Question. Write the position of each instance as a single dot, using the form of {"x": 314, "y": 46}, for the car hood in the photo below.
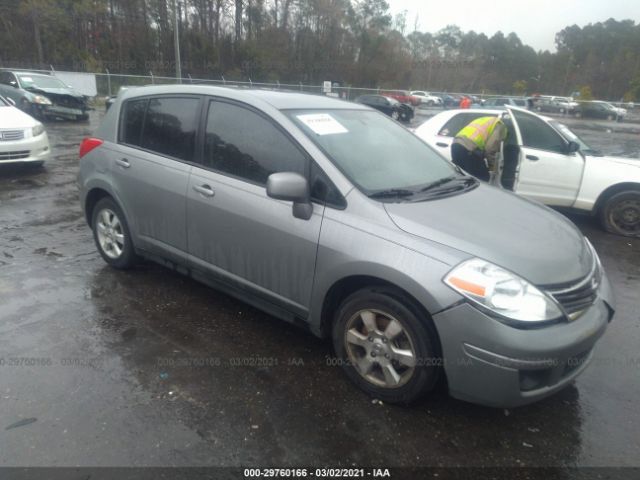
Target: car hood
{"x": 56, "y": 91}
{"x": 632, "y": 162}
{"x": 520, "y": 235}
{"x": 14, "y": 118}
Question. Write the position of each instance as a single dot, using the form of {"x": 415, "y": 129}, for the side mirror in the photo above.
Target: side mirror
{"x": 13, "y": 83}
{"x": 291, "y": 187}
{"x": 573, "y": 147}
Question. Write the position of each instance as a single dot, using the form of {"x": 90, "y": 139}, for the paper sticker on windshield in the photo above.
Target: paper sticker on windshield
{"x": 322, "y": 124}
{"x": 26, "y": 79}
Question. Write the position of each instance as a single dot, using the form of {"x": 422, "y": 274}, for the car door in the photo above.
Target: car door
{"x": 546, "y": 171}
{"x": 237, "y": 235}
{"x": 151, "y": 167}
{"x": 9, "y": 89}
{"x": 384, "y": 105}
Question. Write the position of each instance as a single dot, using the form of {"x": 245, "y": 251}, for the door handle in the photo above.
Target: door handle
{"x": 443, "y": 145}
{"x": 533, "y": 158}
{"x": 205, "y": 190}
{"x": 123, "y": 162}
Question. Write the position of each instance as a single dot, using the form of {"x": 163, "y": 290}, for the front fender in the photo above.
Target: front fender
{"x": 346, "y": 251}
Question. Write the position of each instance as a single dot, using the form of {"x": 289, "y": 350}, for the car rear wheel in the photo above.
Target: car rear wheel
{"x": 621, "y": 214}
{"x": 111, "y": 234}
{"x": 386, "y": 347}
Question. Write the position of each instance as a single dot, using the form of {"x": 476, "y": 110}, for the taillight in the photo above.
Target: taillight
{"x": 89, "y": 144}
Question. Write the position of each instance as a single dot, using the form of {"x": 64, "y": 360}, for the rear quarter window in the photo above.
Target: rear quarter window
{"x": 132, "y": 120}
{"x": 458, "y": 122}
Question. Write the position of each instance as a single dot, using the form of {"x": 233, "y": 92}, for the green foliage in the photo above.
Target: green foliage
{"x": 633, "y": 94}
{"x": 353, "y": 41}
{"x": 519, "y": 87}
{"x": 585, "y": 93}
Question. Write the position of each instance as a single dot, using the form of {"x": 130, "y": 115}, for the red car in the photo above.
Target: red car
{"x": 402, "y": 96}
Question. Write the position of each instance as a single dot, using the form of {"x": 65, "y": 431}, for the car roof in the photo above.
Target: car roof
{"x": 31, "y": 74}
{"x": 443, "y": 117}
{"x": 281, "y": 100}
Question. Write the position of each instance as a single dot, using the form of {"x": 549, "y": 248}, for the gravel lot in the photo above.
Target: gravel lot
{"x": 106, "y": 368}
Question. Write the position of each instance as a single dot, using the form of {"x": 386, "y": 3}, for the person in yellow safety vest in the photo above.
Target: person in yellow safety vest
{"x": 479, "y": 140}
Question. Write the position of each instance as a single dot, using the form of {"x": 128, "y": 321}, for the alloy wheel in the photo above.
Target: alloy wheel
{"x": 380, "y": 348}
{"x": 110, "y": 233}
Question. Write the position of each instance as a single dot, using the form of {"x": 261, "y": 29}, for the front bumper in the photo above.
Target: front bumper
{"x": 28, "y": 150}
{"x": 62, "y": 112}
{"x": 493, "y": 364}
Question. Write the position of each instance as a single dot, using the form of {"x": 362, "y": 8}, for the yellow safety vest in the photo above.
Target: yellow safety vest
{"x": 479, "y": 130}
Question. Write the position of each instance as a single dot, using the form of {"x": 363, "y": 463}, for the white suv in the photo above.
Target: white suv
{"x": 426, "y": 98}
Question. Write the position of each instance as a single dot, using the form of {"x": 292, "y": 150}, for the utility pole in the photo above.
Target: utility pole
{"x": 176, "y": 41}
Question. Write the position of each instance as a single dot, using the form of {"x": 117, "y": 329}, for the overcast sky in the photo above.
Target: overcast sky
{"x": 535, "y": 21}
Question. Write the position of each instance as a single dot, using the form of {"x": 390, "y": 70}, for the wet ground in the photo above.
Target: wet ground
{"x": 145, "y": 367}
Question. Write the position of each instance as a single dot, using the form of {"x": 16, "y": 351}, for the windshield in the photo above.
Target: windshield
{"x": 570, "y": 136}
{"x": 374, "y": 152}
{"x": 40, "y": 81}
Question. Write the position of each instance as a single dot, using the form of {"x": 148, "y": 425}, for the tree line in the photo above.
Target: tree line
{"x": 356, "y": 42}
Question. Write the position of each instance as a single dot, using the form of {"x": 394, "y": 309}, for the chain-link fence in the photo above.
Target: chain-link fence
{"x": 108, "y": 84}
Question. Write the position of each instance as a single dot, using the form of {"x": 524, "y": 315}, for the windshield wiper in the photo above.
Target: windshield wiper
{"x": 467, "y": 180}
{"x": 393, "y": 193}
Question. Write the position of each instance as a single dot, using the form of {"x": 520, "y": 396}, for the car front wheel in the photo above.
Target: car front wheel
{"x": 621, "y": 214}
{"x": 111, "y": 234}
{"x": 386, "y": 347}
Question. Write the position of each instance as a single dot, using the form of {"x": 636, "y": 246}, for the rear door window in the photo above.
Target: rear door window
{"x": 458, "y": 122}
{"x": 170, "y": 126}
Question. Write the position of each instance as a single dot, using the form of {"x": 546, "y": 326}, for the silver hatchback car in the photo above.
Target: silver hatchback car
{"x": 332, "y": 216}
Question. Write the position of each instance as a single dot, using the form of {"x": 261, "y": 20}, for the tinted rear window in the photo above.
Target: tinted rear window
{"x": 133, "y": 116}
{"x": 170, "y": 127}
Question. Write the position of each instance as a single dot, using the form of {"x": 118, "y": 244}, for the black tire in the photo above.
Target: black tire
{"x": 620, "y": 214}
{"x": 420, "y": 334}
{"x": 127, "y": 257}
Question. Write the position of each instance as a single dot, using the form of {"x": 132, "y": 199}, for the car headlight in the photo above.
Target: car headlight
{"x": 502, "y": 293}
{"x": 37, "y": 130}
{"x": 40, "y": 100}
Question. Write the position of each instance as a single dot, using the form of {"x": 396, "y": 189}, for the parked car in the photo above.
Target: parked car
{"x": 402, "y": 96}
{"x": 388, "y": 106}
{"x": 501, "y": 102}
{"x": 451, "y": 101}
{"x": 328, "y": 215}
{"x": 556, "y": 105}
{"x": 546, "y": 161}
{"x": 426, "y": 98}
{"x": 22, "y": 138}
{"x": 43, "y": 96}
{"x": 603, "y": 110}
